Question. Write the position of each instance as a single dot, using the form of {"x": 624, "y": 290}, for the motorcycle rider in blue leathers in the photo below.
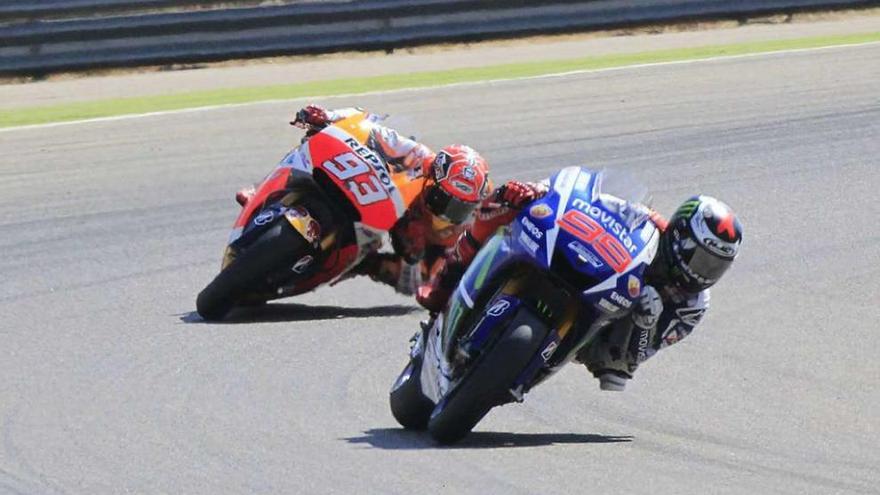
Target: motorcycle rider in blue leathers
{"x": 697, "y": 246}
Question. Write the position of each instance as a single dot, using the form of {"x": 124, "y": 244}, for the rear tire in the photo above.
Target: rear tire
{"x": 488, "y": 381}
{"x": 279, "y": 245}
{"x": 409, "y": 405}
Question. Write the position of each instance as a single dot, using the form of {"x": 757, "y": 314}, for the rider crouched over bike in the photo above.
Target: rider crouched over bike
{"x": 458, "y": 180}
{"x": 697, "y": 246}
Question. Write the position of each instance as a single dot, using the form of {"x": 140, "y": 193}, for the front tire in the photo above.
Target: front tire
{"x": 278, "y": 246}
{"x": 488, "y": 381}
{"x": 409, "y": 405}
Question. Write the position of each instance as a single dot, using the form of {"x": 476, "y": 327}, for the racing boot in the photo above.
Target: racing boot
{"x": 607, "y": 358}
{"x": 390, "y": 269}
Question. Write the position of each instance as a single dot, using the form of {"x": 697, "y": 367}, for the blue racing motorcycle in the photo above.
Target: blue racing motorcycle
{"x": 539, "y": 291}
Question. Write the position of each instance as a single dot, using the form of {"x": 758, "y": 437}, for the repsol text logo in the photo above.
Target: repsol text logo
{"x": 373, "y": 160}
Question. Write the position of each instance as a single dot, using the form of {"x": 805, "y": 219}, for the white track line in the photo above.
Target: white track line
{"x": 451, "y": 85}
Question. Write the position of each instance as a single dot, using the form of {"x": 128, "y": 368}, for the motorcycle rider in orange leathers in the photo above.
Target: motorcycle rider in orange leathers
{"x": 458, "y": 180}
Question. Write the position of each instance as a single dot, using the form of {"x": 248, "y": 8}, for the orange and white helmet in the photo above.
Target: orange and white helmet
{"x": 460, "y": 182}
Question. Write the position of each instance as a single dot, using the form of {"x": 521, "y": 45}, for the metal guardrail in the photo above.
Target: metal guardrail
{"x": 30, "y": 10}
{"x": 37, "y": 48}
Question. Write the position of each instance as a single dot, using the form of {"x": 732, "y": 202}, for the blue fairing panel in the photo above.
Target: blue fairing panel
{"x": 595, "y": 244}
{"x": 542, "y": 230}
{"x": 496, "y": 253}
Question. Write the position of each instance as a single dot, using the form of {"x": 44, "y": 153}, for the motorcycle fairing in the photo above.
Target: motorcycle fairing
{"x": 371, "y": 222}
{"x": 539, "y": 232}
{"x": 329, "y": 271}
{"x": 298, "y": 159}
{"x": 541, "y": 236}
{"x": 381, "y": 197}
{"x": 436, "y": 373}
{"x": 274, "y": 182}
{"x": 361, "y": 173}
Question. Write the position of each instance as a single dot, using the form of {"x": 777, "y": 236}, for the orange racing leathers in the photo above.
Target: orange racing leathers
{"x": 418, "y": 239}
{"x": 497, "y": 210}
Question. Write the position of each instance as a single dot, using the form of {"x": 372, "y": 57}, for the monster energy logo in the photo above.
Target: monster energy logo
{"x": 688, "y": 208}
{"x": 544, "y": 308}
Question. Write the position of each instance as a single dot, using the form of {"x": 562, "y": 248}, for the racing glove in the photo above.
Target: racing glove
{"x": 516, "y": 194}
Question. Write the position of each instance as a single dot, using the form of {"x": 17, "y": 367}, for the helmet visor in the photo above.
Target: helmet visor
{"x": 447, "y": 207}
{"x": 704, "y": 266}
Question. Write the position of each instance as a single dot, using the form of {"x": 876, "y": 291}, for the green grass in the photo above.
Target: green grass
{"x": 145, "y": 104}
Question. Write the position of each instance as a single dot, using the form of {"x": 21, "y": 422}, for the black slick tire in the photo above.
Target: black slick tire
{"x": 409, "y": 405}
{"x": 488, "y": 381}
{"x": 278, "y": 246}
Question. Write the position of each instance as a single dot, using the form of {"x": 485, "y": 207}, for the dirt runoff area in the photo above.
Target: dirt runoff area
{"x": 68, "y": 88}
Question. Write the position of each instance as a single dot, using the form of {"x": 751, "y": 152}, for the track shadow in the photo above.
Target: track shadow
{"x": 400, "y": 439}
{"x": 302, "y": 312}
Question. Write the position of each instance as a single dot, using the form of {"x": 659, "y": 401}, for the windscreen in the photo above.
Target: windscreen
{"x": 623, "y": 193}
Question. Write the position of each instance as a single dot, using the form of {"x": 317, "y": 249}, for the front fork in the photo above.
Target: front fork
{"x": 445, "y": 359}
{"x": 436, "y": 373}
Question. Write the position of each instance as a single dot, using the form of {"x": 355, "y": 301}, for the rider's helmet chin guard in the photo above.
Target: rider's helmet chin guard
{"x": 459, "y": 182}
{"x": 701, "y": 242}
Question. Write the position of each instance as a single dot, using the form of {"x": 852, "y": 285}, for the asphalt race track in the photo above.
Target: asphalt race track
{"x": 108, "y": 230}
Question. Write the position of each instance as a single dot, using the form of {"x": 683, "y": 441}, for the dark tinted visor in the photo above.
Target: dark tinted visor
{"x": 448, "y": 207}
{"x": 705, "y": 265}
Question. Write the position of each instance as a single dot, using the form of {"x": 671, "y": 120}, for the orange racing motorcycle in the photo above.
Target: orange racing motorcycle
{"x": 326, "y": 205}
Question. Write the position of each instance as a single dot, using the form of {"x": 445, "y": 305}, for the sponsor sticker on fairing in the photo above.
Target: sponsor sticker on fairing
{"x": 540, "y": 211}
{"x": 585, "y": 255}
{"x": 313, "y": 231}
{"x": 608, "y": 222}
{"x": 626, "y": 303}
{"x": 296, "y": 212}
{"x": 549, "y": 350}
{"x": 498, "y": 308}
{"x": 531, "y": 228}
{"x": 264, "y": 217}
{"x": 528, "y": 242}
{"x": 303, "y": 263}
{"x": 633, "y": 286}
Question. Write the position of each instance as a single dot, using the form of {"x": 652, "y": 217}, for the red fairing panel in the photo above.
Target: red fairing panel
{"x": 360, "y": 174}
{"x": 275, "y": 181}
